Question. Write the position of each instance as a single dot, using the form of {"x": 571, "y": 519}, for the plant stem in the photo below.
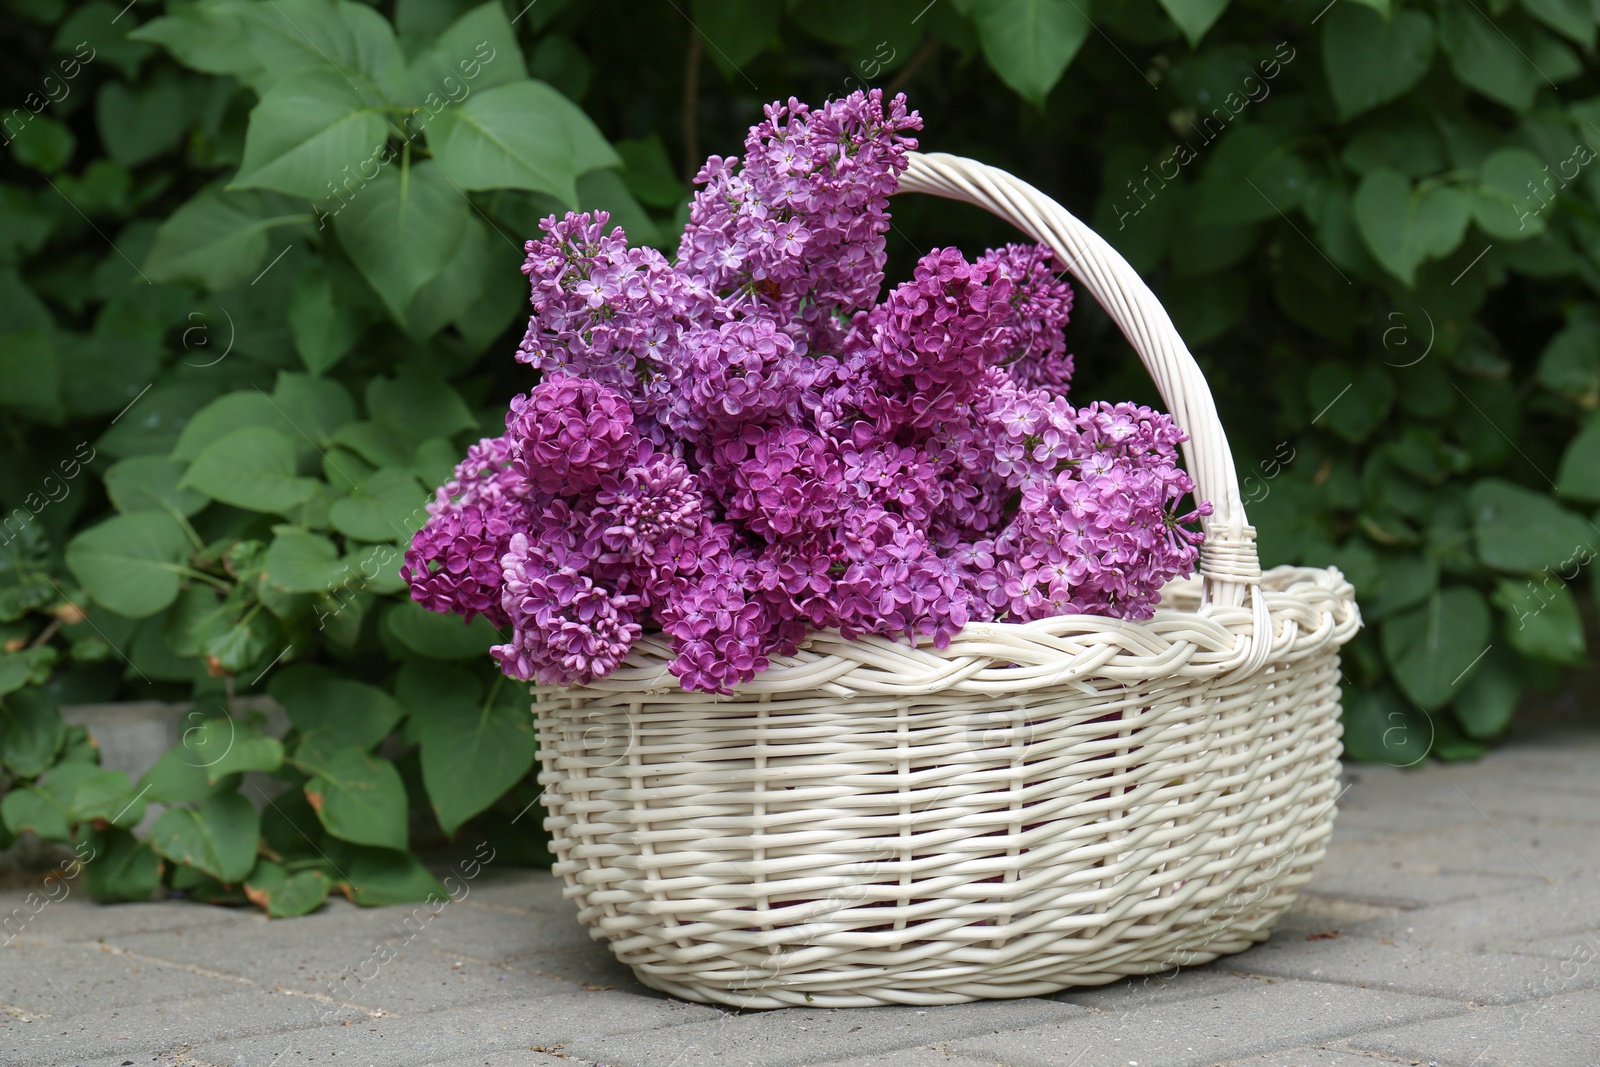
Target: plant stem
{"x": 691, "y": 106}
{"x": 914, "y": 64}
{"x": 46, "y": 634}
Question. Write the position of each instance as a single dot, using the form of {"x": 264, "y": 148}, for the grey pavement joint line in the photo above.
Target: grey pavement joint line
{"x": 1502, "y": 833}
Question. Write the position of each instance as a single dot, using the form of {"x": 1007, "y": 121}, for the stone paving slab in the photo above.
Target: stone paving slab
{"x": 927, "y": 1056}
{"x": 1432, "y": 934}
{"x": 151, "y": 1031}
{"x": 1516, "y": 921}
{"x": 41, "y": 978}
{"x": 1312, "y": 1057}
{"x": 1559, "y": 1032}
{"x": 1370, "y": 963}
{"x": 1375, "y": 877}
{"x": 803, "y": 1036}
{"x": 1205, "y": 1031}
{"x": 549, "y": 1023}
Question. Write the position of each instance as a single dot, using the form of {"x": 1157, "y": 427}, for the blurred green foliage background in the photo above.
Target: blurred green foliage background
{"x": 259, "y": 289}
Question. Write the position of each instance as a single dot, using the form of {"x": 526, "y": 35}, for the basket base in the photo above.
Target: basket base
{"x": 944, "y": 983}
{"x": 977, "y": 989}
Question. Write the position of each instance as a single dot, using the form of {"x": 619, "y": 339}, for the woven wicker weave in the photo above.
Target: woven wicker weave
{"x": 1037, "y": 806}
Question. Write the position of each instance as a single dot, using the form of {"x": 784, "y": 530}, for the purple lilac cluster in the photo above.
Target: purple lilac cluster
{"x": 744, "y": 444}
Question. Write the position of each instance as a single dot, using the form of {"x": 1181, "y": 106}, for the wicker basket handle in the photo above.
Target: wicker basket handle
{"x": 1228, "y": 560}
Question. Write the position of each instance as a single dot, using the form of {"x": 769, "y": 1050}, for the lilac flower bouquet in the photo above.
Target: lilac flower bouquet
{"x": 743, "y": 444}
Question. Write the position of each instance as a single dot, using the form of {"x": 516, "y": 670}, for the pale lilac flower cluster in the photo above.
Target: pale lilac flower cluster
{"x": 743, "y": 445}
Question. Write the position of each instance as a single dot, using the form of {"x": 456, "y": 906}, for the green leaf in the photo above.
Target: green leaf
{"x": 194, "y": 884}
{"x": 1351, "y": 401}
{"x": 225, "y": 415}
{"x": 1410, "y": 578}
{"x": 121, "y": 869}
{"x": 1488, "y": 57}
{"x": 178, "y": 777}
{"x": 200, "y": 613}
{"x": 218, "y": 239}
{"x": 373, "y": 442}
{"x": 735, "y": 31}
{"x": 299, "y": 562}
{"x": 402, "y": 229}
{"x": 138, "y": 124}
{"x": 281, "y": 895}
{"x": 30, "y": 666}
{"x": 381, "y": 876}
{"x": 1502, "y": 204}
{"x": 310, "y": 132}
{"x": 1432, "y": 648}
{"x": 1408, "y": 143}
{"x": 478, "y": 51}
{"x": 1572, "y": 18}
{"x": 605, "y": 190}
{"x": 422, "y": 684}
{"x": 389, "y": 506}
{"x": 129, "y": 563}
{"x": 1542, "y": 620}
{"x": 414, "y": 405}
{"x": 648, "y": 172}
{"x": 1029, "y": 43}
{"x": 435, "y": 461}
{"x": 1404, "y": 226}
{"x": 375, "y": 568}
{"x": 473, "y": 752}
{"x": 524, "y": 135}
{"x": 1570, "y": 363}
{"x": 324, "y": 329}
{"x": 218, "y": 837}
{"x": 97, "y": 794}
{"x": 332, "y": 713}
{"x": 313, "y": 407}
{"x": 1579, "y": 477}
{"x": 208, "y": 36}
{"x": 150, "y": 483}
{"x": 288, "y": 37}
{"x": 1369, "y": 59}
{"x": 1253, "y": 175}
{"x": 31, "y": 731}
{"x": 454, "y": 290}
{"x": 95, "y": 32}
{"x": 558, "y": 61}
{"x": 251, "y": 468}
{"x": 1194, "y": 17}
{"x": 1520, "y": 530}
{"x": 439, "y": 636}
{"x": 241, "y": 646}
{"x": 43, "y": 144}
{"x": 39, "y": 810}
{"x": 225, "y": 747}
{"x": 30, "y": 366}
{"x": 1380, "y": 727}
{"x": 359, "y": 798}
{"x": 154, "y": 426}
{"x": 1485, "y": 705}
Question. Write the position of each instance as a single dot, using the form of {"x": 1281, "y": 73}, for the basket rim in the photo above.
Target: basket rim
{"x": 1309, "y": 609}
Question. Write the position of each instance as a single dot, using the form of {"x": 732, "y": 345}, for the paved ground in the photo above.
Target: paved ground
{"x": 1456, "y": 923}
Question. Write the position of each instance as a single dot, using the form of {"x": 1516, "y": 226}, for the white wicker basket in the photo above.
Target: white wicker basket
{"x": 1040, "y": 805}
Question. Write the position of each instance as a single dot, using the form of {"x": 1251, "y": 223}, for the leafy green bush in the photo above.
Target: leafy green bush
{"x": 259, "y": 289}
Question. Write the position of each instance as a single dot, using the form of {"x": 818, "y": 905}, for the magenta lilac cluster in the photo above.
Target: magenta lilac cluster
{"x": 742, "y": 444}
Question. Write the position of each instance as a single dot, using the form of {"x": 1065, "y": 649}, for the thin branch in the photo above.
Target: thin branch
{"x": 691, "y": 107}
{"x": 909, "y": 71}
{"x": 46, "y": 634}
